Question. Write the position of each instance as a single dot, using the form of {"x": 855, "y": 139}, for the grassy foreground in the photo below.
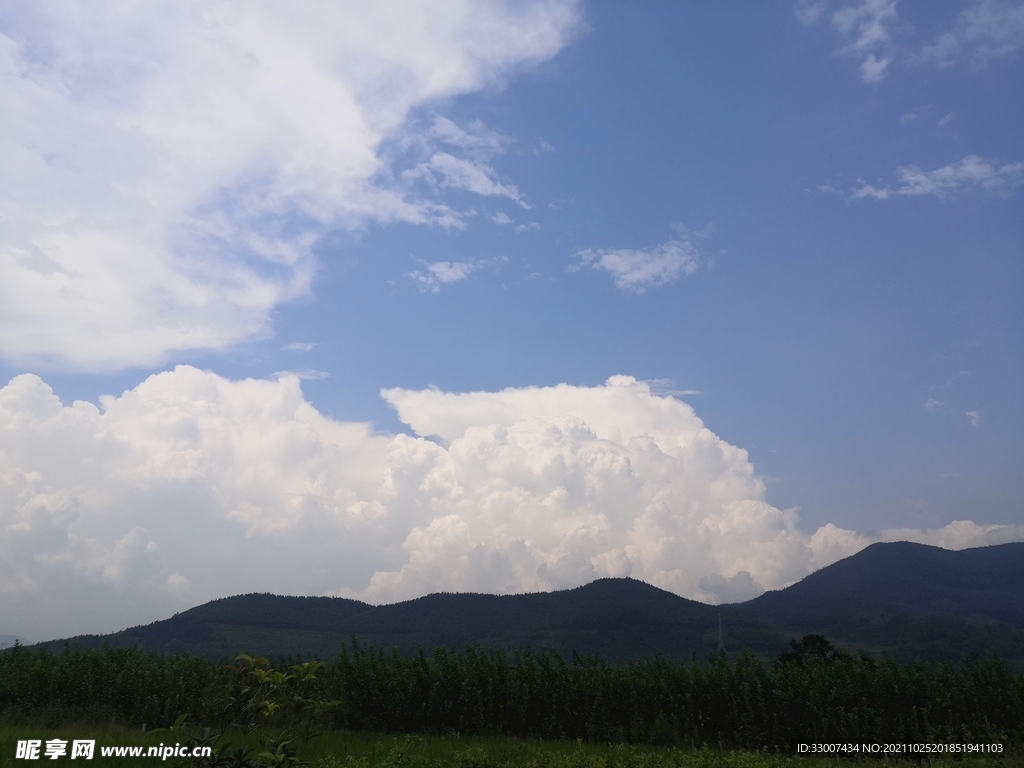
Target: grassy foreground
{"x": 346, "y": 749}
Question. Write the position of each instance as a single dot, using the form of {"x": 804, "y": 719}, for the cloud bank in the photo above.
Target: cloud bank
{"x": 169, "y": 167}
{"x": 191, "y": 486}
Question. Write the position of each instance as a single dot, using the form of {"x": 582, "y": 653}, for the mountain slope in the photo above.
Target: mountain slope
{"x": 909, "y": 599}
{"x": 900, "y": 598}
{"x": 619, "y": 618}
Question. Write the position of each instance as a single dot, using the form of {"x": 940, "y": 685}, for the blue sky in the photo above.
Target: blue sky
{"x": 801, "y": 220}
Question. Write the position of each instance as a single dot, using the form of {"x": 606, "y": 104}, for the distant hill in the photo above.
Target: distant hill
{"x": 909, "y": 600}
{"x": 903, "y": 599}
{"x": 619, "y": 618}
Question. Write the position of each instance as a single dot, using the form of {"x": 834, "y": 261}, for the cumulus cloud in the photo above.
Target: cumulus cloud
{"x": 970, "y": 173}
{"x": 168, "y": 167}
{"x": 191, "y": 486}
{"x": 637, "y": 270}
{"x": 985, "y": 31}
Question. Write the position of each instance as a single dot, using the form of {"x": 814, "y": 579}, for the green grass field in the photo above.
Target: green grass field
{"x": 343, "y": 749}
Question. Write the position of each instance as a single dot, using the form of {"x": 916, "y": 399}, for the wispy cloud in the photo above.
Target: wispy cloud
{"x": 299, "y": 346}
{"x": 637, "y": 270}
{"x": 933, "y": 405}
{"x": 464, "y": 164}
{"x": 974, "y": 417}
{"x": 868, "y": 28}
{"x": 501, "y": 218}
{"x": 304, "y": 374}
{"x": 985, "y": 31}
{"x": 970, "y": 173}
{"x": 668, "y": 387}
{"x": 528, "y": 226}
{"x": 436, "y": 274}
{"x": 167, "y": 173}
{"x": 476, "y": 138}
{"x": 447, "y": 171}
{"x": 809, "y": 12}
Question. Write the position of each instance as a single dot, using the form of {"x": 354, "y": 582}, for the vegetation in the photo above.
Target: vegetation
{"x": 812, "y": 693}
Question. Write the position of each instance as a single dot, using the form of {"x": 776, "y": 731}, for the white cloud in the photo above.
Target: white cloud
{"x": 985, "y": 31}
{"x": 868, "y": 27}
{"x": 501, "y": 218}
{"x": 738, "y": 589}
{"x": 868, "y": 190}
{"x": 945, "y": 120}
{"x": 971, "y": 172}
{"x": 809, "y": 12}
{"x": 190, "y": 487}
{"x": 443, "y": 273}
{"x": 637, "y": 270}
{"x": 477, "y": 138}
{"x": 974, "y": 417}
{"x": 933, "y": 405}
{"x": 299, "y": 346}
{"x": 167, "y": 167}
{"x": 527, "y": 227}
{"x": 305, "y": 374}
{"x": 668, "y": 387}
{"x": 872, "y": 70}
{"x": 449, "y": 172}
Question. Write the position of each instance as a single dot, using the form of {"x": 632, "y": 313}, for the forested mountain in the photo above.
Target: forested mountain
{"x": 909, "y": 599}
{"x": 619, "y": 618}
{"x": 904, "y": 599}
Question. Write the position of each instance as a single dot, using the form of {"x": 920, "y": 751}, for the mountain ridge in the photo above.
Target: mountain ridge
{"x": 899, "y": 598}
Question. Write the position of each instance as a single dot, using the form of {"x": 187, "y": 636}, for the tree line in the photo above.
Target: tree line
{"x": 812, "y": 693}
